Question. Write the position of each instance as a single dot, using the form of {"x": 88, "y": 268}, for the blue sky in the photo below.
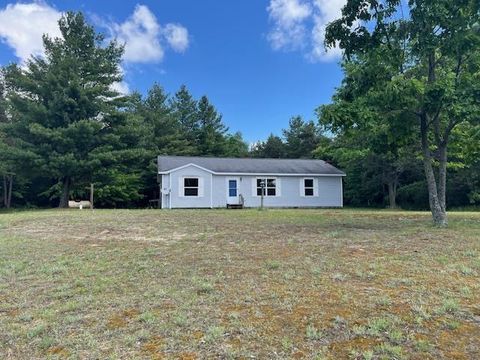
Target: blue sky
{"x": 260, "y": 62}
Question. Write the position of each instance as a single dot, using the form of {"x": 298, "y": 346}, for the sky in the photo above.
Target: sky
{"x": 260, "y": 62}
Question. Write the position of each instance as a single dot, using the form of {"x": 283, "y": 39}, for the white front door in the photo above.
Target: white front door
{"x": 233, "y": 196}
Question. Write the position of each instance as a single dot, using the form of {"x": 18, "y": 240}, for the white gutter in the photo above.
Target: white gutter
{"x": 254, "y": 174}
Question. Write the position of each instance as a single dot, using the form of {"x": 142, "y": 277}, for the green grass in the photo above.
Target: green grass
{"x": 190, "y": 284}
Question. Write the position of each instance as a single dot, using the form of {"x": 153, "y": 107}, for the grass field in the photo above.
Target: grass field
{"x": 276, "y": 284}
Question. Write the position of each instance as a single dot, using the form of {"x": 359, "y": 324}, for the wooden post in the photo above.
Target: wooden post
{"x": 262, "y": 186}
{"x": 91, "y": 196}
{"x": 10, "y": 188}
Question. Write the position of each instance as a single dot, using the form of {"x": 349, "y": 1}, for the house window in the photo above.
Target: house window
{"x": 308, "y": 187}
{"x": 270, "y": 186}
{"x": 190, "y": 186}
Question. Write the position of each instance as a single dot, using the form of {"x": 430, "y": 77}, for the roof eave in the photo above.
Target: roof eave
{"x": 251, "y": 173}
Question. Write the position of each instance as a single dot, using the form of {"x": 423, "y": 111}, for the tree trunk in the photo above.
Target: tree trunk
{"x": 438, "y": 212}
{"x": 442, "y": 177}
{"x": 7, "y": 190}
{"x": 66, "y": 182}
{"x": 392, "y": 194}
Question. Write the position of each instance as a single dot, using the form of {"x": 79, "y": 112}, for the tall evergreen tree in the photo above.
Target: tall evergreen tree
{"x": 162, "y": 134}
{"x": 5, "y": 167}
{"x": 235, "y": 146}
{"x": 184, "y": 108}
{"x": 168, "y": 135}
{"x": 3, "y": 102}
{"x": 301, "y": 138}
{"x": 63, "y": 104}
{"x": 273, "y": 147}
{"x": 212, "y": 130}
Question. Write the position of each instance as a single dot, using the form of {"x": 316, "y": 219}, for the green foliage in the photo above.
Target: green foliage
{"x": 300, "y": 140}
{"x": 412, "y": 78}
{"x": 235, "y": 146}
{"x": 62, "y": 126}
{"x": 62, "y": 106}
{"x": 273, "y": 147}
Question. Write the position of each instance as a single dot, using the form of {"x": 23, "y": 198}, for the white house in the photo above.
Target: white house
{"x": 209, "y": 182}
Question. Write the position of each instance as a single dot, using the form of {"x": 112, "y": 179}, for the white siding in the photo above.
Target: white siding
{"x": 213, "y": 190}
{"x": 328, "y": 192}
{"x": 176, "y": 198}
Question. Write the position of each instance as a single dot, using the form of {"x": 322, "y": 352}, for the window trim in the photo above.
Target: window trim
{"x": 266, "y": 178}
{"x": 303, "y": 188}
{"x": 190, "y": 187}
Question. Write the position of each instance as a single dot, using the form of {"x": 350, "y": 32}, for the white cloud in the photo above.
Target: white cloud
{"x": 288, "y": 18}
{"x": 301, "y": 25}
{"x": 22, "y": 27}
{"x": 23, "y": 24}
{"x": 177, "y": 36}
{"x": 141, "y": 35}
{"x": 145, "y": 38}
{"x": 327, "y": 11}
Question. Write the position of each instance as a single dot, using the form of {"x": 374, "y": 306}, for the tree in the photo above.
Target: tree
{"x": 235, "y": 146}
{"x": 465, "y": 153}
{"x": 273, "y": 147}
{"x": 3, "y": 103}
{"x": 212, "y": 131}
{"x": 63, "y": 105}
{"x": 301, "y": 138}
{"x": 184, "y": 108}
{"x": 163, "y": 134}
{"x": 360, "y": 114}
{"x": 434, "y": 54}
{"x": 7, "y": 176}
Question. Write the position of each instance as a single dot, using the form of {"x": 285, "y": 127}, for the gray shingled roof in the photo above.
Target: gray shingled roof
{"x": 248, "y": 165}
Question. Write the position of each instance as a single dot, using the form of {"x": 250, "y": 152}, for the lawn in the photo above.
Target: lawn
{"x": 277, "y": 284}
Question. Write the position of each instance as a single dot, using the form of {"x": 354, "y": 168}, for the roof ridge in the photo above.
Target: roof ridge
{"x": 237, "y": 158}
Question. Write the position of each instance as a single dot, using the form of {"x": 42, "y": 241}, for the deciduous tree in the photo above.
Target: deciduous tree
{"x": 434, "y": 53}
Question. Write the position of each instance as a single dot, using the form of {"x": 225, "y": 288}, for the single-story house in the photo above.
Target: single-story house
{"x": 212, "y": 182}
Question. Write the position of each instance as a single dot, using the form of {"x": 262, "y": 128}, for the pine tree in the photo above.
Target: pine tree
{"x": 235, "y": 146}
{"x": 273, "y": 147}
{"x": 168, "y": 135}
{"x": 184, "y": 108}
{"x": 301, "y": 138}
{"x": 211, "y": 133}
{"x": 63, "y": 104}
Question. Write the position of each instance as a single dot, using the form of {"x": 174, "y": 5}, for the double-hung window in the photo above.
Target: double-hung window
{"x": 267, "y": 185}
{"x": 308, "y": 187}
{"x": 190, "y": 186}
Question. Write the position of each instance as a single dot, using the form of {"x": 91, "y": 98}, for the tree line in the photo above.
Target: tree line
{"x": 64, "y": 127}
{"x": 410, "y": 93}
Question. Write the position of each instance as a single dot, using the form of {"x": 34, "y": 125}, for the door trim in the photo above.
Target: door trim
{"x": 229, "y": 198}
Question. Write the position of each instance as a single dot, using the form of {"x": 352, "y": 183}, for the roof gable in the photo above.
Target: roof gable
{"x": 217, "y": 165}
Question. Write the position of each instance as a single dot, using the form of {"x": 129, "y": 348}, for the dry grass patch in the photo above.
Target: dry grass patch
{"x": 196, "y": 284}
